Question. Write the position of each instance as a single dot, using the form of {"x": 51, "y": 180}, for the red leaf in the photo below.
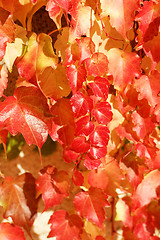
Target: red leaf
{"x": 80, "y": 22}
{"x": 99, "y": 238}
{"x": 17, "y": 196}
{"x": 148, "y": 87}
{"x": 100, "y": 136}
{"x": 80, "y": 145}
{"x": 84, "y": 126}
{"x": 124, "y": 67}
{"x": 97, "y": 65}
{"x": 76, "y": 76}
{"x": 147, "y": 16}
{"x": 78, "y": 178}
{"x": 3, "y": 79}
{"x": 64, "y": 117}
{"x": 152, "y": 49}
{"x": 122, "y": 13}
{"x": 26, "y": 113}
{"x": 7, "y": 30}
{"x": 91, "y": 205}
{"x": 147, "y": 188}
{"x": 100, "y": 87}
{"x": 98, "y": 178}
{"x": 110, "y": 175}
{"x": 27, "y": 65}
{"x": 9, "y": 232}
{"x": 90, "y": 162}
{"x": 143, "y": 126}
{"x": 53, "y": 185}
{"x": 102, "y": 113}
{"x": 98, "y": 152}
{"x": 80, "y": 105}
{"x": 39, "y": 55}
{"x": 70, "y": 156}
{"x": 86, "y": 48}
{"x": 64, "y": 226}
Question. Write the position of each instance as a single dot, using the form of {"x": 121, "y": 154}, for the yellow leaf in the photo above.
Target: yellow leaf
{"x": 54, "y": 82}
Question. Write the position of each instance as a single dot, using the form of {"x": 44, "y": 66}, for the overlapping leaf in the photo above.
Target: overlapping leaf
{"x": 56, "y": 9}
{"x": 80, "y": 104}
{"x": 148, "y": 188}
{"x": 7, "y": 29}
{"x": 102, "y": 113}
{"x": 148, "y": 17}
{"x": 148, "y": 87}
{"x": 54, "y": 82}
{"x": 39, "y": 55}
{"x": 64, "y": 117}
{"x": 124, "y": 67}
{"x": 100, "y": 136}
{"x": 53, "y": 185}
{"x": 26, "y": 112}
{"x": 91, "y": 205}
{"x": 65, "y": 226}
{"x": 10, "y": 232}
{"x": 76, "y": 77}
{"x": 121, "y": 12}
{"x": 84, "y": 126}
{"x": 17, "y": 196}
{"x": 100, "y": 87}
{"x": 3, "y": 79}
{"x": 110, "y": 174}
{"x": 97, "y": 65}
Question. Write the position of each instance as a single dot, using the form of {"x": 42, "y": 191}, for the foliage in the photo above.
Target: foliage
{"x": 94, "y": 88}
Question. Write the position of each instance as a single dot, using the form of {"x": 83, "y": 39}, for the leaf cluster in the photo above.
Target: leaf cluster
{"x": 94, "y": 88}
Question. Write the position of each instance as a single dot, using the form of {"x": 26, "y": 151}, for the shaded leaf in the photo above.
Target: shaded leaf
{"x": 7, "y": 29}
{"x": 54, "y": 82}
{"x": 78, "y": 178}
{"x": 53, "y": 185}
{"x": 39, "y": 55}
{"x": 64, "y": 117}
{"x": 3, "y": 79}
{"x": 17, "y": 196}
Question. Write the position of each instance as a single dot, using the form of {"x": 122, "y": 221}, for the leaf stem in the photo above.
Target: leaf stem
{"x": 104, "y": 27}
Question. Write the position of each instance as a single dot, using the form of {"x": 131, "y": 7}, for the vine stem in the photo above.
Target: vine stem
{"x": 112, "y": 217}
{"x": 103, "y": 25}
{"x": 4, "y": 96}
{"x": 56, "y": 30}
